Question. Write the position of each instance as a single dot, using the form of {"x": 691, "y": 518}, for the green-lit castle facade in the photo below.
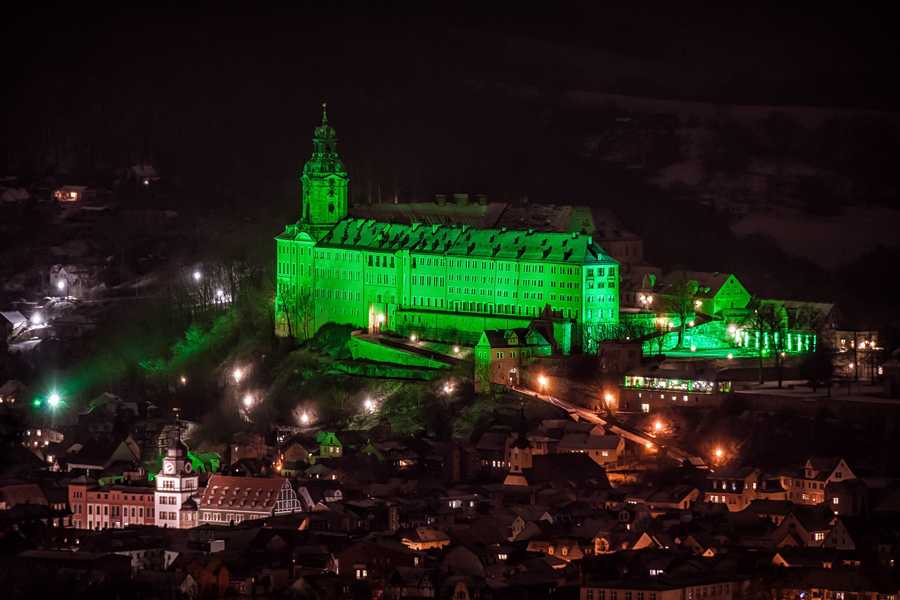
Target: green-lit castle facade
{"x": 442, "y": 281}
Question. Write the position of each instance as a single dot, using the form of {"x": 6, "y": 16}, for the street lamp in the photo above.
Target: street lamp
{"x": 61, "y": 285}
{"x": 37, "y": 318}
{"x": 248, "y": 400}
{"x": 197, "y": 275}
{"x": 368, "y": 404}
{"x": 183, "y": 380}
{"x": 237, "y": 374}
{"x": 304, "y": 418}
{"x": 542, "y": 382}
{"x": 718, "y": 453}
{"x": 53, "y": 400}
{"x": 448, "y": 388}
{"x": 657, "y": 426}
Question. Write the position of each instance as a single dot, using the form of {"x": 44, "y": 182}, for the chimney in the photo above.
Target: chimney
{"x": 482, "y": 199}
{"x": 440, "y": 199}
{"x": 461, "y": 199}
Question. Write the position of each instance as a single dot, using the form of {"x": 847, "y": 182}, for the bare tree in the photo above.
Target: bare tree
{"x": 678, "y": 299}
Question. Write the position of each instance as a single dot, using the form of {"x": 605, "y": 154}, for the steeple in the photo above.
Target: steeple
{"x": 324, "y": 181}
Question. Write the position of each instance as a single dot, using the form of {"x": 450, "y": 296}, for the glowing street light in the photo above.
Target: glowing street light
{"x": 730, "y": 356}
{"x": 53, "y": 400}
{"x": 732, "y": 329}
{"x": 455, "y": 349}
{"x": 197, "y": 275}
{"x": 543, "y": 382}
{"x": 237, "y": 374}
{"x": 61, "y": 285}
{"x": 37, "y": 318}
{"x": 220, "y": 294}
{"x": 448, "y": 388}
{"x": 413, "y": 338}
{"x": 693, "y": 348}
{"x": 697, "y": 303}
{"x": 657, "y": 426}
{"x": 368, "y": 404}
{"x": 248, "y": 400}
{"x": 718, "y": 453}
{"x": 304, "y": 418}
{"x": 183, "y": 380}
{"x": 691, "y": 323}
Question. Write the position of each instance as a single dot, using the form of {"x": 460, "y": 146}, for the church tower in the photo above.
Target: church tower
{"x": 324, "y": 183}
{"x": 175, "y": 486}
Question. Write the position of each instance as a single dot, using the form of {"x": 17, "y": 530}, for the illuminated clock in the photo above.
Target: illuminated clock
{"x": 188, "y": 467}
{"x": 169, "y": 468}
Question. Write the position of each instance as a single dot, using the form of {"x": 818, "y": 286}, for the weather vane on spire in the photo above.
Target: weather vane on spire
{"x": 324, "y": 113}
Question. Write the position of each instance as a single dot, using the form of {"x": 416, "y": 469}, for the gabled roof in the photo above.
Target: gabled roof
{"x": 572, "y": 468}
{"x": 251, "y": 494}
{"x": 462, "y": 241}
{"x": 586, "y": 441}
{"x": 710, "y": 282}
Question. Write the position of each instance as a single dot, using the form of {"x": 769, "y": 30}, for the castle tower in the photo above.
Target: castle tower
{"x": 324, "y": 183}
{"x": 176, "y": 483}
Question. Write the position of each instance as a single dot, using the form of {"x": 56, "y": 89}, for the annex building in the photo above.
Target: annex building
{"x": 443, "y": 271}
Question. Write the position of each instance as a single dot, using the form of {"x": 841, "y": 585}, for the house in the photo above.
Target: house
{"x": 95, "y": 455}
{"x": 71, "y": 193}
{"x": 96, "y": 506}
{"x": 834, "y": 583}
{"x": 804, "y": 526}
{"x": 737, "y": 488}
{"x": 12, "y": 323}
{"x": 808, "y": 485}
{"x": 227, "y": 500}
{"x": 671, "y": 497}
{"x": 500, "y": 355}
{"x": 654, "y": 574}
{"x": 375, "y": 560}
{"x": 620, "y": 356}
{"x": 15, "y": 493}
{"x": 848, "y": 497}
{"x": 408, "y": 582}
{"x": 602, "y": 449}
{"x": 425, "y": 538}
{"x": 658, "y": 387}
{"x": 329, "y": 445}
{"x": 714, "y": 293}
{"x": 571, "y": 469}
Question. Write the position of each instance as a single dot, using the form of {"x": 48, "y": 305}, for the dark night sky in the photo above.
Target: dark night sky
{"x": 423, "y": 104}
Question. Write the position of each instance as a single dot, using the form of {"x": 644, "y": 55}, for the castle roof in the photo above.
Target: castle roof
{"x": 463, "y": 241}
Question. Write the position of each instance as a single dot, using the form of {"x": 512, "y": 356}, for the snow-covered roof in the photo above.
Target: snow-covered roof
{"x": 14, "y": 317}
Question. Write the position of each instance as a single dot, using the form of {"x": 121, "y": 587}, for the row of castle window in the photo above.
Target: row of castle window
{"x": 381, "y": 261}
{"x": 427, "y": 280}
{"x": 611, "y": 284}
{"x": 428, "y": 302}
{"x": 346, "y": 295}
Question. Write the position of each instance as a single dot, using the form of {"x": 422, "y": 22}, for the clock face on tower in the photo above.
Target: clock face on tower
{"x": 169, "y": 468}
{"x": 188, "y": 467}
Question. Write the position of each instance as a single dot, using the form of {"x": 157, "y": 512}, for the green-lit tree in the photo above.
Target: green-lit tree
{"x": 763, "y": 319}
{"x": 678, "y": 300}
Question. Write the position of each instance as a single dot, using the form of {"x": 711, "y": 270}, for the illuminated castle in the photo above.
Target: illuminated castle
{"x": 441, "y": 279}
